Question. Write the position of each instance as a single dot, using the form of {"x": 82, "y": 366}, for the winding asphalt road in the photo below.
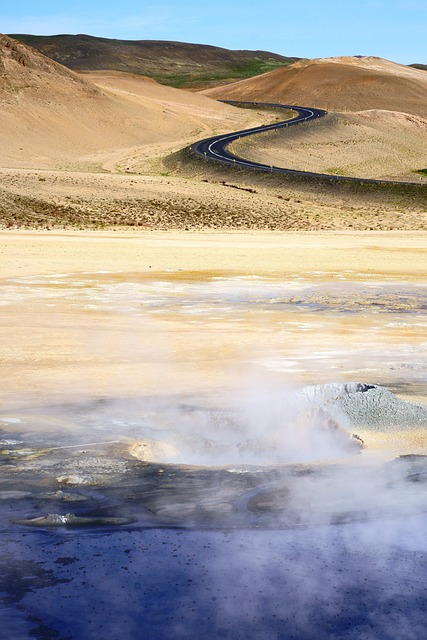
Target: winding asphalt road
{"x": 216, "y": 148}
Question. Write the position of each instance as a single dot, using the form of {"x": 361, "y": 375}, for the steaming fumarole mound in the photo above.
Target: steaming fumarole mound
{"x": 262, "y": 430}
{"x": 314, "y": 424}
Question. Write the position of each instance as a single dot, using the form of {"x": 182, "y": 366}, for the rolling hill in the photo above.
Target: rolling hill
{"x": 172, "y": 63}
{"x": 53, "y": 117}
{"x": 337, "y": 84}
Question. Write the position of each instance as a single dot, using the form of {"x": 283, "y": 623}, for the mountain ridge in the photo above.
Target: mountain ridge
{"x": 177, "y": 64}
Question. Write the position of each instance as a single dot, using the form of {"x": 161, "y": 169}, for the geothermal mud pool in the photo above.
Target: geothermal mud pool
{"x": 235, "y": 456}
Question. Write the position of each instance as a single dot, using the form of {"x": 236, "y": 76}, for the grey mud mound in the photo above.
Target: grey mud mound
{"x": 366, "y": 405}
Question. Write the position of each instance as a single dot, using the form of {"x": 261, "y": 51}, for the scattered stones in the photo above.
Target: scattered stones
{"x": 75, "y": 480}
{"x": 69, "y": 519}
{"x": 63, "y": 496}
{"x": 14, "y": 495}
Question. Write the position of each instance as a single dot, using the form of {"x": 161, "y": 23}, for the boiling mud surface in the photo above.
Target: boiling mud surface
{"x": 201, "y": 542}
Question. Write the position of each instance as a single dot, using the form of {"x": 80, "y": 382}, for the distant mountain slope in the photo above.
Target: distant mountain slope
{"x": 174, "y": 63}
{"x": 337, "y": 84}
{"x": 419, "y": 66}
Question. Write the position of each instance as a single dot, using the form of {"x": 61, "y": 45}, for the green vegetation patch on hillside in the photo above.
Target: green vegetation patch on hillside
{"x": 249, "y": 69}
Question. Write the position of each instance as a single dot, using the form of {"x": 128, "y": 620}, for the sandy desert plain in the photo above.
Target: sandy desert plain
{"x": 192, "y": 357}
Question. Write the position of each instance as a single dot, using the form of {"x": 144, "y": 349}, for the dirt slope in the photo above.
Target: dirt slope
{"x": 337, "y": 84}
{"x": 52, "y": 117}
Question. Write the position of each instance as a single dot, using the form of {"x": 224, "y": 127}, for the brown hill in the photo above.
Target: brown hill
{"x": 52, "y": 117}
{"x": 337, "y": 84}
{"x": 176, "y": 64}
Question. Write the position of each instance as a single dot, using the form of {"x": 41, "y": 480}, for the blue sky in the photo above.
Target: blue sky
{"x": 393, "y": 29}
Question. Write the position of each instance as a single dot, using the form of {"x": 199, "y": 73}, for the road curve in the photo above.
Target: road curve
{"x": 216, "y": 148}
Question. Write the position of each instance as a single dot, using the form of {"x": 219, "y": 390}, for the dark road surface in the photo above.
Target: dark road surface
{"x": 216, "y": 148}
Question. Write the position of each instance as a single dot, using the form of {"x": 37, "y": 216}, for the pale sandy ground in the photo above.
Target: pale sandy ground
{"x": 391, "y": 254}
